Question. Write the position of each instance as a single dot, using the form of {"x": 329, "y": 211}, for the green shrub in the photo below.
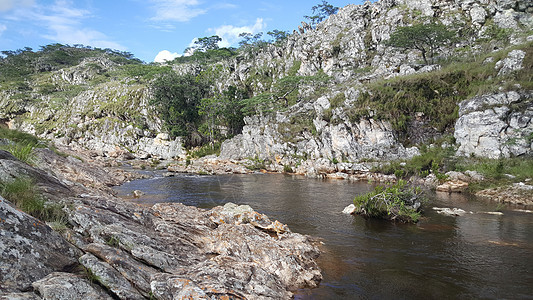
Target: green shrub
{"x": 257, "y": 164}
{"x": 394, "y": 202}
{"x": 206, "y": 150}
{"x": 288, "y": 169}
{"x": 23, "y": 152}
{"x": 436, "y": 159}
{"x": 521, "y": 168}
{"x": 24, "y": 195}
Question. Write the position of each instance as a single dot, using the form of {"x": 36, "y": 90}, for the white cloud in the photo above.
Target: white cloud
{"x": 64, "y": 23}
{"x": 176, "y": 10}
{"x": 165, "y": 55}
{"x": 2, "y": 28}
{"x": 6, "y": 5}
{"x": 230, "y": 33}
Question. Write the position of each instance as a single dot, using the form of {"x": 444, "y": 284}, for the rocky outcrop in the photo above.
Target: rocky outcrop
{"x": 519, "y": 193}
{"x": 496, "y": 125}
{"x": 60, "y": 285}
{"x": 165, "y": 251}
{"x": 29, "y": 250}
{"x": 112, "y": 115}
{"x": 288, "y": 140}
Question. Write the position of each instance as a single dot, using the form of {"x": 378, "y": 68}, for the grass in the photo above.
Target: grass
{"x": 497, "y": 171}
{"x": 20, "y": 137}
{"x": 20, "y": 144}
{"x": 393, "y": 202}
{"x": 206, "y": 150}
{"x": 437, "y": 159}
{"x": 287, "y": 169}
{"x": 437, "y": 93}
{"x": 23, "y": 152}
{"x": 23, "y": 193}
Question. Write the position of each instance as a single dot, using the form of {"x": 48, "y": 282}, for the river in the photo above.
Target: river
{"x": 477, "y": 255}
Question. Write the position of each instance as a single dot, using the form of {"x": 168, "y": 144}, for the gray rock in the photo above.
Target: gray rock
{"x": 478, "y": 15}
{"x": 512, "y": 62}
{"x": 488, "y": 126}
{"x": 29, "y": 250}
{"x": 110, "y": 278}
{"x": 66, "y": 286}
{"x": 19, "y": 296}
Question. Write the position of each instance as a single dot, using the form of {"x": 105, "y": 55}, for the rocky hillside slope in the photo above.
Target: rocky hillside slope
{"x": 378, "y": 102}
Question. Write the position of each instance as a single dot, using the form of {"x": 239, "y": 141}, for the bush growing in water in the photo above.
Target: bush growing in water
{"x": 395, "y": 202}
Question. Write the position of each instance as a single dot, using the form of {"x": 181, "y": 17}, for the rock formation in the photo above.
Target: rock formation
{"x": 112, "y": 115}
{"x": 128, "y": 251}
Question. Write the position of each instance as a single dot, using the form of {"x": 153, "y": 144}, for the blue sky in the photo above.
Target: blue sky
{"x": 144, "y": 27}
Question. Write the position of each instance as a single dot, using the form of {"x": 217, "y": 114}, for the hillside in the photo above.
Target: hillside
{"x": 339, "y": 92}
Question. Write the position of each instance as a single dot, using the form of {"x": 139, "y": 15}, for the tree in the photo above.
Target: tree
{"x": 205, "y": 43}
{"x": 223, "y": 110}
{"x": 251, "y": 40}
{"x": 278, "y": 35}
{"x": 177, "y": 98}
{"x": 427, "y": 38}
{"x": 321, "y": 12}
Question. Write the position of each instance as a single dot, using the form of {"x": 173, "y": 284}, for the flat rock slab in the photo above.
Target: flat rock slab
{"x": 60, "y": 285}
{"x": 29, "y": 250}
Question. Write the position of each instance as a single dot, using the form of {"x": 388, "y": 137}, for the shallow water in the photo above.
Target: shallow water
{"x": 473, "y": 256}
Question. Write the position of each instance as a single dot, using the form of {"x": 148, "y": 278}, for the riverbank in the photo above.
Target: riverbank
{"x": 500, "y": 187}
{"x": 104, "y": 247}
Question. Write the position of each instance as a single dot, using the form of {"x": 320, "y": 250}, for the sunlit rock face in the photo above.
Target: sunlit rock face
{"x": 496, "y": 125}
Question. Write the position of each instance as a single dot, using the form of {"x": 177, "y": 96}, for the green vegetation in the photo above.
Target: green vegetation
{"x": 394, "y": 202}
{"x": 427, "y": 38}
{"x": 284, "y": 92}
{"x": 20, "y": 144}
{"x": 177, "y": 98}
{"x": 113, "y": 241}
{"x": 206, "y": 150}
{"x": 436, "y": 94}
{"x": 437, "y": 159}
{"x": 23, "y": 193}
{"x": 19, "y": 137}
{"x": 257, "y": 164}
{"x": 20, "y": 64}
{"x": 287, "y": 169}
{"x": 23, "y": 152}
{"x": 208, "y": 56}
{"x": 321, "y": 12}
{"x": 497, "y": 172}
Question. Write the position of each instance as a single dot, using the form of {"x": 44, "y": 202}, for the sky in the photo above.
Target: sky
{"x": 146, "y": 28}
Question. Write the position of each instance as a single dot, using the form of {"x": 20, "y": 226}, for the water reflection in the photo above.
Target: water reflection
{"x": 473, "y": 256}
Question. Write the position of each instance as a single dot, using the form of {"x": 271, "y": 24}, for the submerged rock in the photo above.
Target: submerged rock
{"x": 450, "y": 211}
{"x": 456, "y": 186}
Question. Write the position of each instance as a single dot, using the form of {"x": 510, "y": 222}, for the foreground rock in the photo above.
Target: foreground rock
{"x": 29, "y": 250}
{"x": 168, "y": 251}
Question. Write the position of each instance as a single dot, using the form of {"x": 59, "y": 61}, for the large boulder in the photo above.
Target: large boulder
{"x": 29, "y": 250}
{"x": 496, "y": 125}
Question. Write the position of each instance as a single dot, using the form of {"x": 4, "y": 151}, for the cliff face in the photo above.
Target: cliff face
{"x": 349, "y": 47}
{"x": 111, "y": 114}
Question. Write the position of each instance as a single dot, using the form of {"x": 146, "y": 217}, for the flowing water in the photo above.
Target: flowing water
{"x": 478, "y": 255}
